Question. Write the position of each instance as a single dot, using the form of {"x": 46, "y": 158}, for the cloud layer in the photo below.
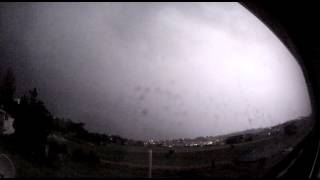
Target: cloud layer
{"x": 154, "y": 70}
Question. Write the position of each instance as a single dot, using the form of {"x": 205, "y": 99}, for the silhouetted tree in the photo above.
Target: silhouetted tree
{"x": 32, "y": 124}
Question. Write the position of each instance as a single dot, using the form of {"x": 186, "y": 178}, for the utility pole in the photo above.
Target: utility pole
{"x": 150, "y": 164}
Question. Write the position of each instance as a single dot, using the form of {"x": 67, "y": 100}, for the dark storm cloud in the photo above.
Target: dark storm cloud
{"x": 152, "y": 69}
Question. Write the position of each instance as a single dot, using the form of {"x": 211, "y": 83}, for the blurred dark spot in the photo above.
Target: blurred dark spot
{"x": 184, "y": 113}
{"x": 172, "y": 82}
{"x": 144, "y": 112}
{"x": 141, "y": 97}
{"x": 137, "y": 88}
{"x": 157, "y": 89}
{"x": 147, "y": 90}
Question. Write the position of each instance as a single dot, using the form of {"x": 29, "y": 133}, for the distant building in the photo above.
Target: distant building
{"x": 6, "y": 123}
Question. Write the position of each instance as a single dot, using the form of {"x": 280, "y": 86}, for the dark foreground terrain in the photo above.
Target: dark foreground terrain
{"x": 236, "y": 157}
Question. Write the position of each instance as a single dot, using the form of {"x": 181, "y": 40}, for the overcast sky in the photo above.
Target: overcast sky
{"x": 153, "y": 70}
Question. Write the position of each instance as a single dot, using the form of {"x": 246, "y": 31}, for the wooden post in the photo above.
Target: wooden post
{"x": 150, "y": 164}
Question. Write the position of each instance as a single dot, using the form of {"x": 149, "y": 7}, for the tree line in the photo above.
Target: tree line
{"x": 34, "y": 122}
